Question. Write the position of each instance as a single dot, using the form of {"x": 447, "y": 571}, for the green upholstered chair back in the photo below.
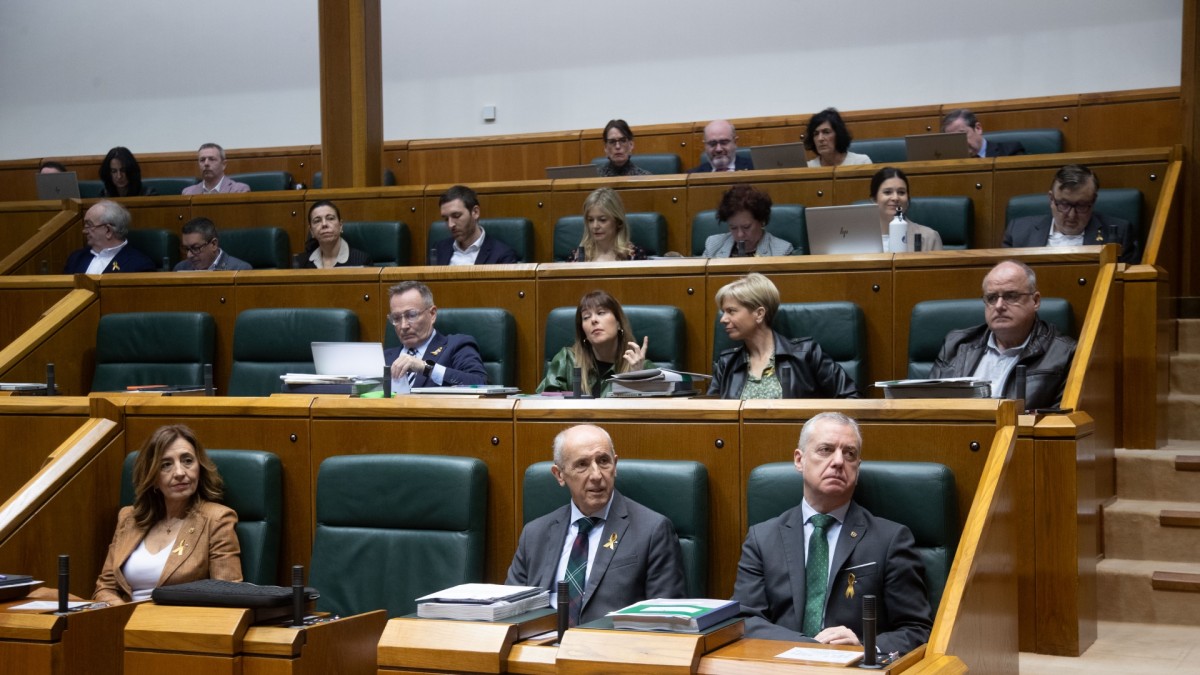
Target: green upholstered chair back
{"x": 665, "y": 325}
{"x": 655, "y": 163}
{"x": 933, "y": 319}
{"x": 882, "y": 150}
{"x": 168, "y": 186}
{"x": 389, "y": 178}
{"x": 268, "y": 343}
{"x": 787, "y": 222}
{"x": 265, "y": 248}
{"x": 391, "y": 528}
{"x": 516, "y": 232}
{"x": 253, "y": 488}
{"x": 648, "y": 230}
{"x": 494, "y": 330}
{"x": 952, "y": 217}
{"x": 386, "y": 241}
{"x": 90, "y": 189}
{"x": 265, "y": 181}
{"x": 158, "y": 245}
{"x": 743, "y": 154}
{"x": 1036, "y": 141}
{"x": 676, "y": 489}
{"x": 919, "y": 495}
{"x": 152, "y": 348}
{"x": 1123, "y": 203}
{"x": 839, "y": 327}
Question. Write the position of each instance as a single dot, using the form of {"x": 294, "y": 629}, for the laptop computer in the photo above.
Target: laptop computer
{"x": 573, "y": 171}
{"x": 835, "y": 230}
{"x": 781, "y": 156}
{"x": 348, "y": 359}
{"x": 63, "y": 185}
{"x": 924, "y": 147}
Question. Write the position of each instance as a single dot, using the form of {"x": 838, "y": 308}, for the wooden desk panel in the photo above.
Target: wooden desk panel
{"x": 156, "y": 213}
{"x": 355, "y": 289}
{"x": 1062, "y": 117}
{"x": 525, "y": 199}
{"x": 699, "y": 431}
{"x": 498, "y": 158}
{"x": 25, "y": 299}
{"x": 38, "y": 643}
{"x": 1104, "y": 121}
{"x": 32, "y": 427}
{"x": 395, "y": 157}
{"x": 660, "y": 194}
{"x": 367, "y": 204}
{"x": 20, "y": 220}
{"x": 66, "y": 337}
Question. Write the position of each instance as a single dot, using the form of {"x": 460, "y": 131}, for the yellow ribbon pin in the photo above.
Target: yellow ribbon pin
{"x": 437, "y": 351}
{"x": 612, "y": 542}
{"x": 179, "y": 549}
{"x": 850, "y": 585}
{"x": 116, "y": 267}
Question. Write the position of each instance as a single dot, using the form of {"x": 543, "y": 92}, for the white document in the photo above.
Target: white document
{"x": 840, "y": 656}
{"x": 48, "y": 605}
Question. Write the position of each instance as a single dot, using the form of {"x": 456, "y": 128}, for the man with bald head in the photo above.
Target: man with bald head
{"x": 611, "y": 550}
{"x": 1012, "y": 336}
{"x": 720, "y": 142}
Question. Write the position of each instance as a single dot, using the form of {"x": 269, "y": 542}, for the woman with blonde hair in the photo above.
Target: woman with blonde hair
{"x": 605, "y": 232}
{"x": 604, "y": 345}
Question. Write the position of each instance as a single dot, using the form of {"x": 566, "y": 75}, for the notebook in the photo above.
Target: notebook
{"x": 836, "y": 230}
{"x": 573, "y": 171}
{"x": 58, "y": 185}
{"x": 781, "y": 156}
{"x": 923, "y": 147}
{"x": 348, "y": 359}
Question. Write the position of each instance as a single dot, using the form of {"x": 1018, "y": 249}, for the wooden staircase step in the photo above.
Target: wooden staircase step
{"x": 1187, "y": 462}
{"x": 1175, "y": 581}
{"x": 1176, "y": 518}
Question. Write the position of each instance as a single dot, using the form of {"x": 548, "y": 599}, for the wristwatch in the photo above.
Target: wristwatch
{"x": 428, "y": 369}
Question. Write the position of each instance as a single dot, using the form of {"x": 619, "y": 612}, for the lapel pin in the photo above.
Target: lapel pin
{"x": 853, "y": 534}
{"x": 437, "y": 351}
{"x": 116, "y": 267}
{"x": 850, "y": 585}
{"x": 179, "y": 549}
{"x": 611, "y": 544}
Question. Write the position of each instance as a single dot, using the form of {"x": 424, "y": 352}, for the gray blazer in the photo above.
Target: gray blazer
{"x": 721, "y": 245}
{"x": 645, "y": 562}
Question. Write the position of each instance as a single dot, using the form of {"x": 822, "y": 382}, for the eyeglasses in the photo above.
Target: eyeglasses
{"x": 1065, "y": 207}
{"x": 406, "y": 317}
{"x": 89, "y": 225}
{"x": 195, "y": 249}
{"x": 719, "y": 143}
{"x": 1009, "y": 297}
{"x": 614, "y": 142}
{"x": 582, "y": 467}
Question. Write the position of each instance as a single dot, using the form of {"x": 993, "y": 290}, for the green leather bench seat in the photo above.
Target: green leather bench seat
{"x": 160, "y": 246}
{"x": 882, "y": 150}
{"x": 265, "y": 181}
{"x": 265, "y": 248}
{"x": 389, "y": 179}
{"x": 168, "y": 186}
{"x": 1035, "y": 141}
{"x": 386, "y": 241}
{"x": 648, "y": 230}
{"x": 268, "y": 343}
{"x": 665, "y": 325}
{"x": 141, "y": 348}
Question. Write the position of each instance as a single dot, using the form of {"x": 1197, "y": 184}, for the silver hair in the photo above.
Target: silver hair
{"x": 406, "y": 286}
{"x": 219, "y": 149}
{"x": 560, "y": 442}
{"x": 117, "y": 217}
{"x": 839, "y": 418}
{"x": 1030, "y": 275}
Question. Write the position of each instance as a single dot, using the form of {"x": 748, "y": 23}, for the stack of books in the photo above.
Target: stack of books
{"x": 655, "y": 382}
{"x": 482, "y": 602}
{"x": 691, "y": 615}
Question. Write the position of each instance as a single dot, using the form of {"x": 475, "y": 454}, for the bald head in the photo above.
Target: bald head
{"x": 720, "y": 141}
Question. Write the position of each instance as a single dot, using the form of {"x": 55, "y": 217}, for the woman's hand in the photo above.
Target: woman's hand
{"x": 635, "y": 356}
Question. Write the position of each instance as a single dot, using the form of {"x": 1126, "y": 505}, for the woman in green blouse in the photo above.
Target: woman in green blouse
{"x": 604, "y": 345}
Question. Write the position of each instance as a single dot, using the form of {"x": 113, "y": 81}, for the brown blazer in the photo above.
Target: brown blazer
{"x": 210, "y": 551}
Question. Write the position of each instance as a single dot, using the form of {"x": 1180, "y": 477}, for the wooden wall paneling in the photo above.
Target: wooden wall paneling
{"x": 753, "y": 131}
{"x": 891, "y": 122}
{"x": 47, "y": 249}
{"x": 172, "y": 164}
{"x": 298, "y": 160}
{"x": 509, "y": 287}
{"x": 514, "y": 199}
{"x": 66, "y": 337}
{"x": 865, "y": 280}
{"x": 256, "y": 209}
{"x": 700, "y": 431}
{"x": 1046, "y": 112}
{"x": 676, "y": 138}
{"x": 662, "y": 194}
{"x": 211, "y": 292}
{"x": 20, "y": 220}
{"x": 25, "y": 299}
{"x": 278, "y": 424}
{"x": 1144, "y": 358}
{"x": 1112, "y": 121}
{"x": 1021, "y": 473}
{"x": 661, "y": 282}
{"x": 17, "y": 182}
{"x": 355, "y": 289}
{"x": 494, "y": 158}
{"x": 32, "y": 427}
{"x": 157, "y": 213}
{"x": 351, "y": 92}
{"x": 809, "y": 187}
{"x": 387, "y": 203}
{"x": 395, "y": 157}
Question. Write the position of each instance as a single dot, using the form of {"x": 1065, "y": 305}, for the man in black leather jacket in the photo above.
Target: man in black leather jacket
{"x": 1012, "y": 336}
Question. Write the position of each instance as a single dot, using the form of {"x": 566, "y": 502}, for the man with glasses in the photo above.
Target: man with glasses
{"x": 720, "y": 142}
{"x": 106, "y": 229}
{"x": 618, "y": 147}
{"x": 1013, "y": 336}
{"x": 202, "y": 249}
{"x": 427, "y": 358}
{"x": 611, "y": 551}
{"x": 1072, "y": 220}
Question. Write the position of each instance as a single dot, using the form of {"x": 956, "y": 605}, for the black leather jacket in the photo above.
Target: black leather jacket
{"x": 804, "y": 371}
{"x": 1047, "y": 360}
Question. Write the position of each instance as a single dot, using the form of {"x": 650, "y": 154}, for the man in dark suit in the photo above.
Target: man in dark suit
{"x": 427, "y": 357}
{"x": 611, "y": 550}
{"x": 720, "y": 140}
{"x": 468, "y": 244}
{"x": 105, "y": 229}
{"x": 803, "y": 574}
{"x": 963, "y": 120}
{"x": 1073, "y": 221}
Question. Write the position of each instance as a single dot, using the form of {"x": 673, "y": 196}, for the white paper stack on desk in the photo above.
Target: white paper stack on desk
{"x": 482, "y": 602}
{"x": 947, "y": 387}
{"x": 656, "y": 382}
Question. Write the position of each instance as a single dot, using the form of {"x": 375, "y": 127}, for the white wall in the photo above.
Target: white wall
{"x": 245, "y": 72}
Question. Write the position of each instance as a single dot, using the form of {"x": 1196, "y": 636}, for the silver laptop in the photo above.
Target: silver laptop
{"x": 838, "y": 230}
{"x": 573, "y": 171}
{"x": 924, "y": 147}
{"x": 348, "y": 359}
{"x": 781, "y": 156}
{"x": 63, "y": 185}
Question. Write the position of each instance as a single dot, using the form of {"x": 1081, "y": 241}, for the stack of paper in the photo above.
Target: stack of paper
{"x": 655, "y": 382}
{"x": 690, "y": 615}
{"x": 947, "y": 387}
{"x": 482, "y": 602}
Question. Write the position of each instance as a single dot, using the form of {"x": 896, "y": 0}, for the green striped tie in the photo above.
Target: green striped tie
{"x": 816, "y": 575}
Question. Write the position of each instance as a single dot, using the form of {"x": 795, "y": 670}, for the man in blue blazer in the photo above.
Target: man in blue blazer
{"x": 106, "y": 231}
{"x": 963, "y": 120}
{"x": 467, "y": 244}
{"x": 720, "y": 141}
{"x": 862, "y": 555}
{"x": 428, "y": 358}
{"x": 626, "y": 552}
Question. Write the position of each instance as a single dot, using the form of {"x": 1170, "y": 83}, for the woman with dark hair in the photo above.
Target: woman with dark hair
{"x": 604, "y": 345}
{"x": 175, "y": 531}
{"x": 325, "y": 247}
{"x": 889, "y": 190}
{"x": 746, "y": 211}
{"x": 828, "y": 138}
{"x": 121, "y": 175}
{"x": 605, "y": 232}
{"x": 766, "y": 364}
{"x": 618, "y": 147}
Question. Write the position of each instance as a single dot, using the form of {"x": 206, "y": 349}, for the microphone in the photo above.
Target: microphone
{"x": 564, "y": 609}
{"x": 1021, "y": 385}
{"x": 64, "y": 583}
{"x": 576, "y": 383}
{"x": 297, "y": 595}
{"x": 432, "y": 259}
{"x": 869, "y": 657}
{"x": 387, "y": 382}
{"x": 208, "y": 380}
{"x": 50, "y": 380}
{"x": 917, "y": 241}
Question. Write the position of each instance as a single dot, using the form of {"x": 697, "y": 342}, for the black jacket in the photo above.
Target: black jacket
{"x": 1047, "y": 360}
{"x": 804, "y": 371}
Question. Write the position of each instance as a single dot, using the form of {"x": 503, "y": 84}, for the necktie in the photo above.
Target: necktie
{"x": 577, "y": 567}
{"x": 412, "y": 374}
{"x": 816, "y": 575}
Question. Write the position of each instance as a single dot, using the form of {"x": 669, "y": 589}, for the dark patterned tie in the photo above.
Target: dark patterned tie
{"x": 412, "y": 374}
{"x": 816, "y": 575}
{"x": 577, "y": 567}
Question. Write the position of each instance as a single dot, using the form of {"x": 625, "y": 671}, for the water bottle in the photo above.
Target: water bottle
{"x": 897, "y": 230}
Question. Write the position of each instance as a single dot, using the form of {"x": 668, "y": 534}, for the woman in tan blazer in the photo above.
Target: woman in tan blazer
{"x": 175, "y": 531}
